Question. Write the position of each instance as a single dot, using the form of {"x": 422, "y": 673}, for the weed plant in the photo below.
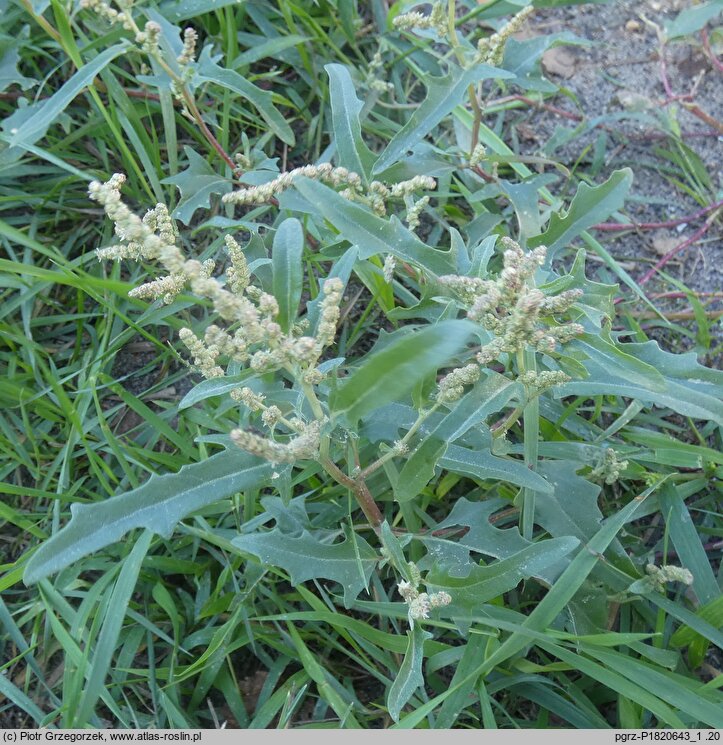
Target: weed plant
{"x": 315, "y": 411}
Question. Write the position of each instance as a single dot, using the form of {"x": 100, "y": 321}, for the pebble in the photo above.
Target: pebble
{"x": 632, "y": 26}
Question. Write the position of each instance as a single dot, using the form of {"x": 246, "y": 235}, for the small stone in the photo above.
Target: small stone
{"x": 633, "y": 26}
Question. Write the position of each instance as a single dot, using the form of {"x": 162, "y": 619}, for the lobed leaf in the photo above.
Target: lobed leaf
{"x": 157, "y": 505}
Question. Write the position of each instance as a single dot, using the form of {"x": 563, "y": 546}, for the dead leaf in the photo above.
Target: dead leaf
{"x": 558, "y": 61}
{"x": 632, "y": 101}
{"x": 664, "y": 243}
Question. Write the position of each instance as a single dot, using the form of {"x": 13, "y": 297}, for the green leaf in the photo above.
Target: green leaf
{"x": 372, "y": 234}
{"x": 481, "y": 464}
{"x": 570, "y": 507}
{"x": 181, "y": 10}
{"x": 686, "y": 541}
{"x": 525, "y": 197}
{"x": 418, "y": 470}
{"x": 350, "y": 563}
{"x": 590, "y": 205}
{"x": 711, "y": 613}
{"x": 443, "y": 95}
{"x": 26, "y": 126}
{"x": 213, "y": 387}
{"x": 687, "y": 387}
{"x": 351, "y": 150}
{"x": 321, "y": 677}
{"x": 662, "y": 684}
{"x": 112, "y": 624}
{"x": 157, "y": 505}
{"x": 288, "y": 271}
{"x": 472, "y": 658}
{"x": 410, "y": 676}
{"x": 197, "y": 184}
{"x": 482, "y": 537}
{"x": 547, "y": 609}
{"x": 692, "y": 20}
{"x": 484, "y": 583}
{"x": 9, "y": 72}
{"x": 392, "y": 373}
{"x": 210, "y": 72}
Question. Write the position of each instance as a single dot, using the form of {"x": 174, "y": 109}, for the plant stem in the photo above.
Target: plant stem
{"x": 360, "y": 490}
{"x": 474, "y": 103}
{"x": 527, "y": 362}
{"x": 404, "y": 441}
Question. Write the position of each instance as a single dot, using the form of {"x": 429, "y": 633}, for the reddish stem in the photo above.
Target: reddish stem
{"x": 706, "y": 45}
{"x": 612, "y": 226}
{"x": 680, "y": 247}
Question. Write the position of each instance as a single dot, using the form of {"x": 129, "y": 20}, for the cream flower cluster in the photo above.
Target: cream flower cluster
{"x": 265, "y": 193}
{"x": 660, "y": 576}
{"x": 491, "y": 48}
{"x": 378, "y": 194}
{"x": 421, "y": 603}
{"x": 304, "y": 445}
{"x": 375, "y": 196}
{"x": 147, "y": 39}
{"x": 451, "y": 387}
{"x": 436, "y": 20}
{"x": 609, "y": 468}
{"x": 243, "y": 306}
{"x": 541, "y": 381}
{"x": 252, "y": 335}
{"x": 512, "y": 308}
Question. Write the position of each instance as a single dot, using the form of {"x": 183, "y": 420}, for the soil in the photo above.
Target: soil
{"x": 620, "y": 71}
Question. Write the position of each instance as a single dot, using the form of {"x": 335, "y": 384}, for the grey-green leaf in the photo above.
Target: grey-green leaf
{"x": 26, "y": 126}
{"x": 288, "y": 271}
{"x": 351, "y": 150}
{"x": 484, "y": 583}
{"x": 209, "y": 71}
{"x": 349, "y": 563}
{"x": 679, "y": 382}
{"x": 197, "y": 184}
{"x": 372, "y": 234}
{"x": 410, "y": 676}
{"x": 391, "y": 373}
{"x": 590, "y": 205}
{"x": 443, "y": 94}
{"x": 157, "y": 505}
{"x": 481, "y": 464}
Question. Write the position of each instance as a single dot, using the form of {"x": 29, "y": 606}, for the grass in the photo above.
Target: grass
{"x": 186, "y": 631}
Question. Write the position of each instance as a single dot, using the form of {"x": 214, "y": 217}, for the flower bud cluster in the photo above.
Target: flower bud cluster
{"x": 265, "y": 193}
{"x": 415, "y": 211}
{"x": 304, "y": 445}
{"x": 420, "y": 603}
{"x": 451, "y": 387}
{"x": 512, "y": 308}
{"x": 238, "y": 276}
{"x": 541, "y": 381}
{"x": 257, "y": 339}
{"x": 188, "y": 53}
{"x": 109, "y": 13}
{"x": 478, "y": 155}
{"x": 390, "y": 264}
{"x": 609, "y": 468}
{"x": 147, "y": 39}
{"x": 379, "y": 193}
{"x": 659, "y": 576}
{"x": 375, "y": 75}
{"x": 436, "y": 20}
{"x": 491, "y": 49}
